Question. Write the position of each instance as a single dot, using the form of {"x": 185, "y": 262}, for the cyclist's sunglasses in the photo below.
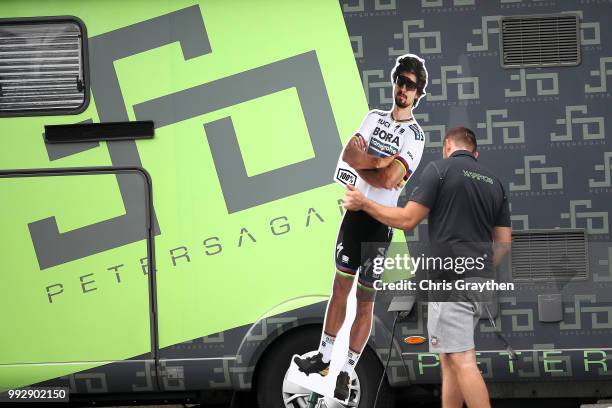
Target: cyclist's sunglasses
{"x": 407, "y": 82}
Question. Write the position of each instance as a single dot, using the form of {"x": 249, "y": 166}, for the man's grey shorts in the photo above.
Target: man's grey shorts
{"x": 451, "y": 325}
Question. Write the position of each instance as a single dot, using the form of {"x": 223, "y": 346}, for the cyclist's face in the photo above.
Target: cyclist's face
{"x": 403, "y": 92}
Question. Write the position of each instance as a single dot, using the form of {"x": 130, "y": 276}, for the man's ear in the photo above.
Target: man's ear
{"x": 476, "y": 154}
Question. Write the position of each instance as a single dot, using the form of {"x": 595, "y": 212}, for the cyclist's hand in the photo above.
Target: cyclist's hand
{"x": 400, "y": 184}
{"x": 353, "y": 198}
{"x": 386, "y": 161}
{"x": 360, "y": 143}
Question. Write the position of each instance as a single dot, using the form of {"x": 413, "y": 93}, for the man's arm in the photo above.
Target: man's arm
{"x": 387, "y": 177}
{"x": 405, "y": 218}
{"x": 502, "y": 230}
{"x": 502, "y": 239}
{"x": 356, "y": 157}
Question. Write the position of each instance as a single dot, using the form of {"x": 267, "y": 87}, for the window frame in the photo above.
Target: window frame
{"x": 84, "y": 65}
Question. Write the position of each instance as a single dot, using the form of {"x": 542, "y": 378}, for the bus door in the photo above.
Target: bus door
{"x": 77, "y": 298}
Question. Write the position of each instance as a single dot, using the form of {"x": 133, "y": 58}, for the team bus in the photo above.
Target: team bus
{"x": 168, "y": 213}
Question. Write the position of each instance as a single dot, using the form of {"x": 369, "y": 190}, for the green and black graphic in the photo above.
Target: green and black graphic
{"x": 249, "y": 117}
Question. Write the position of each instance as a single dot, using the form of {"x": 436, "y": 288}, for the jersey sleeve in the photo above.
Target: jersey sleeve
{"x": 503, "y": 216}
{"x": 412, "y": 151}
{"x": 365, "y": 129}
{"x": 426, "y": 192}
{"x": 345, "y": 174}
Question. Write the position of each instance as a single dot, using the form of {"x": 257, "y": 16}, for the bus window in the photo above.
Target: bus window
{"x": 43, "y": 69}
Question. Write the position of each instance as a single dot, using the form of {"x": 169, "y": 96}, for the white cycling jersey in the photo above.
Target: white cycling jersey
{"x": 385, "y": 137}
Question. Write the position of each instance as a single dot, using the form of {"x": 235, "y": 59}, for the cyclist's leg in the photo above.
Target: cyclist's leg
{"x": 379, "y": 237}
{"x": 347, "y": 259}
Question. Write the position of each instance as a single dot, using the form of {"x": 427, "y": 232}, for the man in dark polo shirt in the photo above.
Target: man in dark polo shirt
{"x": 467, "y": 207}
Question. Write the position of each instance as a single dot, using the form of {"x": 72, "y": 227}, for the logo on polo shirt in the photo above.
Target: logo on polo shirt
{"x": 477, "y": 176}
{"x": 435, "y": 342}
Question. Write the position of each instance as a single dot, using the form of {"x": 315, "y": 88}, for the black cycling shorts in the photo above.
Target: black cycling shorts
{"x": 360, "y": 240}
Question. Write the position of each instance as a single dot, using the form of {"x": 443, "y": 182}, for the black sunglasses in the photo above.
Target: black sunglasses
{"x": 407, "y": 82}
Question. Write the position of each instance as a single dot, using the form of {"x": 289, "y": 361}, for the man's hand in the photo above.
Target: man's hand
{"x": 353, "y": 198}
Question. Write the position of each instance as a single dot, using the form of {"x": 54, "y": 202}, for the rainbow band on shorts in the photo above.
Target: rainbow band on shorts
{"x": 364, "y": 285}
{"x": 345, "y": 271}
